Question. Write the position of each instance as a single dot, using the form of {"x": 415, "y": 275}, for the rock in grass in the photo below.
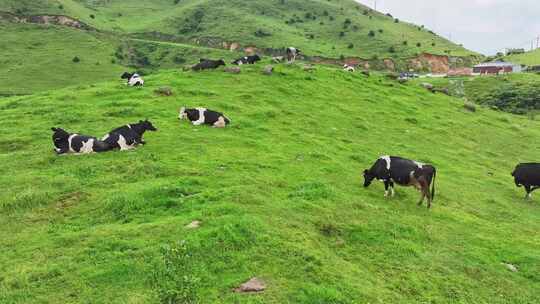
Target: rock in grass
{"x": 469, "y": 106}
{"x": 510, "y": 267}
{"x": 194, "y": 225}
{"x": 253, "y": 285}
{"x": 232, "y": 70}
{"x": 164, "y": 91}
{"x": 268, "y": 70}
{"x": 427, "y": 86}
{"x": 309, "y": 68}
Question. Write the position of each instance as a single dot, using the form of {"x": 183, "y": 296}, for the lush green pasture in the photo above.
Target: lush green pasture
{"x": 278, "y": 192}
{"x": 36, "y": 58}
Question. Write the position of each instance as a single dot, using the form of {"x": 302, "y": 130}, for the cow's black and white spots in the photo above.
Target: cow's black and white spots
{"x": 133, "y": 80}
{"x": 404, "y": 172}
{"x": 65, "y": 142}
{"x": 199, "y": 116}
{"x": 528, "y": 176}
{"x": 292, "y": 53}
{"x": 247, "y": 60}
{"x": 348, "y": 68}
{"x": 128, "y": 136}
{"x": 208, "y": 64}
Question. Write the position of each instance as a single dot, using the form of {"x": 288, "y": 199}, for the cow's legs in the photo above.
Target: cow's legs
{"x": 392, "y": 188}
{"x": 386, "y": 186}
{"x": 425, "y": 192}
{"x": 529, "y": 192}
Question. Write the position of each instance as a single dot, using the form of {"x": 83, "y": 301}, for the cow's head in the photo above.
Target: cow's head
{"x": 60, "y": 140}
{"x": 147, "y": 125}
{"x": 183, "y": 113}
{"x": 126, "y": 75}
{"x": 256, "y": 58}
{"x": 368, "y": 178}
{"x": 220, "y": 62}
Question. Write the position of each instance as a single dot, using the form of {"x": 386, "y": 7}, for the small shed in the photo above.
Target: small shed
{"x": 497, "y": 68}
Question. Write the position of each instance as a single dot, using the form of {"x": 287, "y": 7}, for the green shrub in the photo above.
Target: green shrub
{"x": 76, "y": 59}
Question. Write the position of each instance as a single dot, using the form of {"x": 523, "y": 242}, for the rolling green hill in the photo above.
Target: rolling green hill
{"x": 529, "y": 58}
{"x": 320, "y": 27}
{"x": 278, "y": 192}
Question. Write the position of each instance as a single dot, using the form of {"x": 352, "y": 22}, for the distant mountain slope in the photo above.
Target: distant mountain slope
{"x": 528, "y": 58}
{"x": 320, "y": 27}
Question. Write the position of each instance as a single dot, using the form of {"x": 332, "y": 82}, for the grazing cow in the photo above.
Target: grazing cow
{"x": 207, "y": 64}
{"x": 199, "y": 116}
{"x": 247, "y": 60}
{"x": 348, "y": 68}
{"x": 292, "y": 53}
{"x": 404, "y": 172}
{"x": 65, "y": 142}
{"x": 527, "y": 175}
{"x": 133, "y": 80}
{"x": 128, "y": 136}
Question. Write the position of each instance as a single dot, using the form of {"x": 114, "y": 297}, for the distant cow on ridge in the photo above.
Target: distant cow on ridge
{"x": 208, "y": 64}
{"x": 404, "y": 172}
{"x": 133, "y": 80}
{"x": 247, "y": 60}
{"x": 528, "y": 176}
{"x": 292, "y": 53}
{"x": 65, "y": 142}
{"x": 199, "y": 116}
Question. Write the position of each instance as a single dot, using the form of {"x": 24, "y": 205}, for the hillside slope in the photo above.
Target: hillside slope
{"x": 530, "y": 58}
{"x": 319, "y": 27}
{"x": 278, "y": 192}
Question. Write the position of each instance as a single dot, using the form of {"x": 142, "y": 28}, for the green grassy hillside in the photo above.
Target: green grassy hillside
{"x": 278, "y": 192}
{"x": 37, "y": 57}
{"x": 319, "y": 27}
{"x": 529, "y": 58}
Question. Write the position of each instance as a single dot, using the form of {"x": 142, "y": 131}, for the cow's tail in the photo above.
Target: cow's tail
{"x": 433, "y": 184}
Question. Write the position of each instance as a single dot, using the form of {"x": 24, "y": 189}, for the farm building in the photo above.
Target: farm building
{"x": 497, "y": 68}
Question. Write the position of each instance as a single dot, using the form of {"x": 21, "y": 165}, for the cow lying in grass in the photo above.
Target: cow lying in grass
{"x": 65, "y": 142}
{"x": 199, "y": 116}
{"x": 133, "y": 80}
{"x": 404, "y": 172}
{"x": 208, "y": 64}
{"x": 247, "y": 60}
{"x": 348, "y": 68}
{"x": 128, "y": 136}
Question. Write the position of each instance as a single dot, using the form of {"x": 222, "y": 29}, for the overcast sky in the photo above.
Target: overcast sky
{"x": 485, "y": 26}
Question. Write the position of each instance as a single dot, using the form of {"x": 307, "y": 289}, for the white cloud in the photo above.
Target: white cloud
{"x": 486, "y": 26}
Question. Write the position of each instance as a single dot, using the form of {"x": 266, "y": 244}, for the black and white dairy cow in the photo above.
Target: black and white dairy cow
{"x": 128, "y": 136}
{"x": 133, "y": 80}
{"x": 292, "y": 53}
{"x": 247, "y": 60}
{"x": 208, "y": 64}
{"x": 404, "y": 172}
{"x": 65, "y": 142}
{"x": 528, "y": 176}
{"x": 199, "y": 116}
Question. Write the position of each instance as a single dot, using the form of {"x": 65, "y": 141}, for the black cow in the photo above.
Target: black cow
{"x": 527, "y": 175}
{"x": 404, "y": 172}
{"x": 65, "y": 142}
{"x": 292, "y": 53}
{"x": 128, "y": 136}
{"x": 207, "y": 64}
{"x": 199, "y": 116}
{"x": 133, "y": 80}
{"x": 247, "y": 60}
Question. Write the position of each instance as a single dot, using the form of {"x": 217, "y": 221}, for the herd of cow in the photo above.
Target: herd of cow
{"x": 387, "y": 169}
